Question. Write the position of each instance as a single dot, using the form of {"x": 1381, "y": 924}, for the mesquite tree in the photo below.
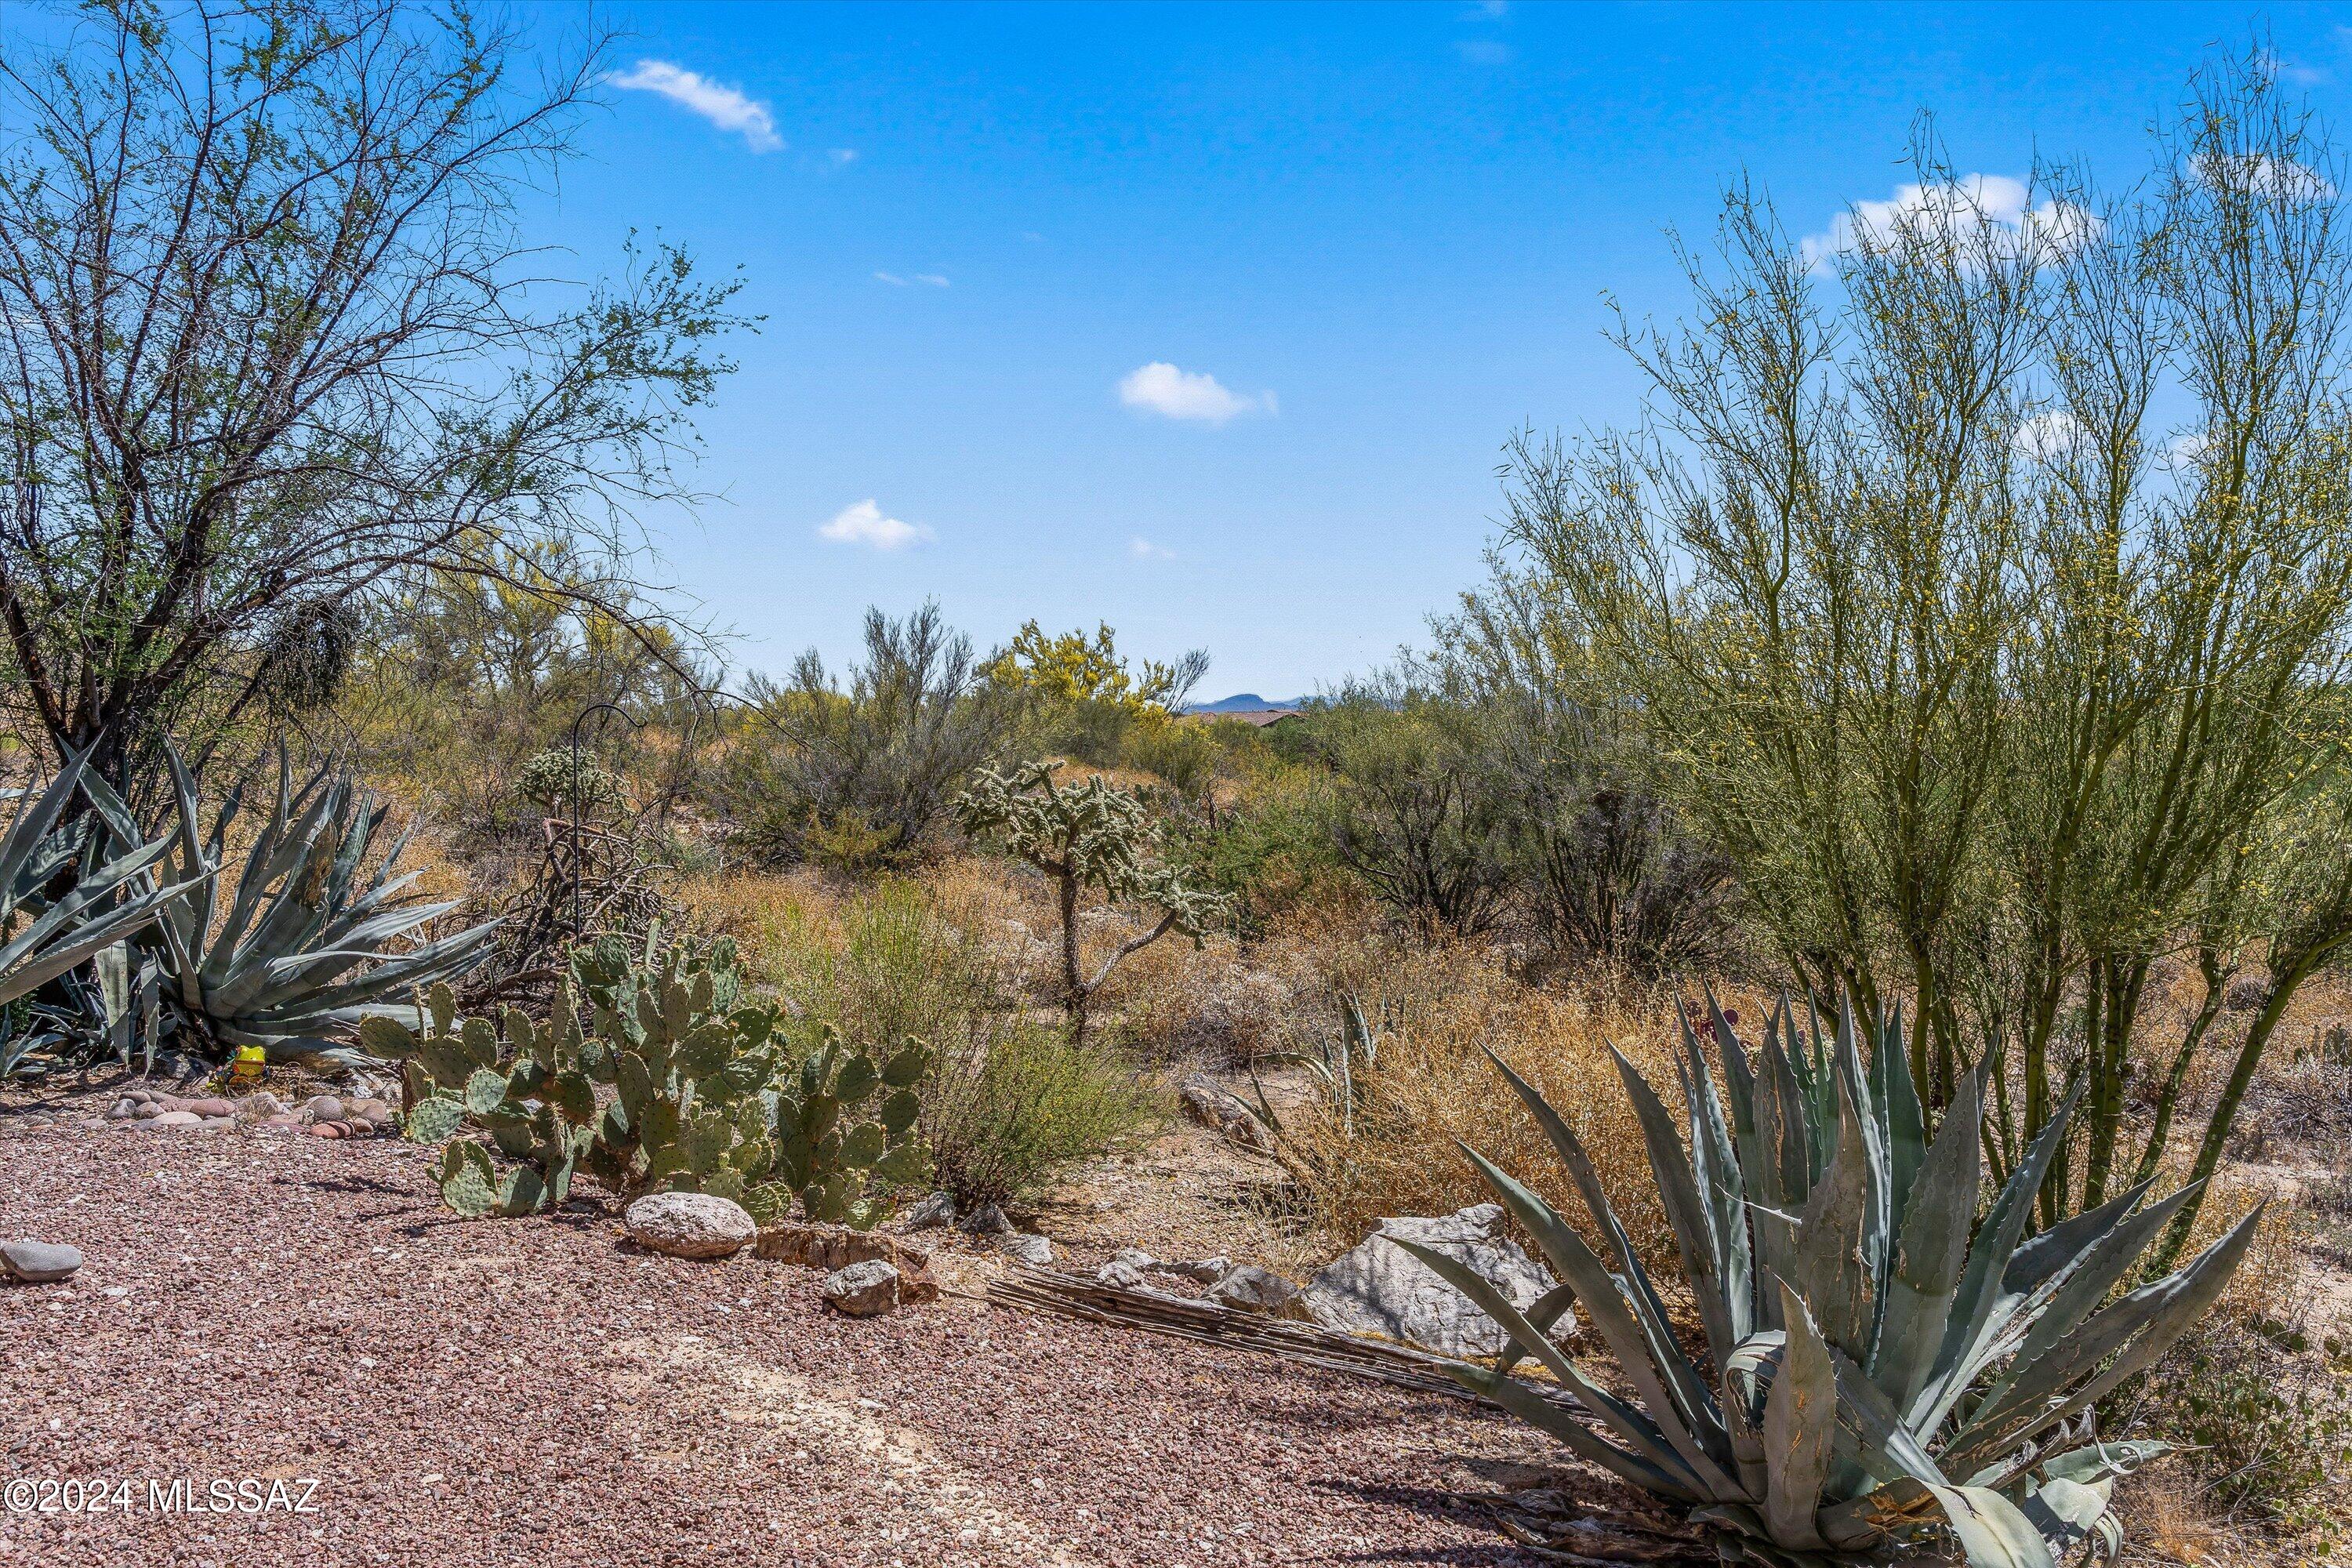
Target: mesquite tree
{"x": 1086, "y": 836}
{"x": 270, "y": 342}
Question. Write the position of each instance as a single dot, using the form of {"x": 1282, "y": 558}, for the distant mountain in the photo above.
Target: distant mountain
{"x": 1243, "y": 702}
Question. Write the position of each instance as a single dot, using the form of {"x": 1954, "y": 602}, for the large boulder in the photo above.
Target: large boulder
{"x": 689, "y": 1225}
{"x": 1381, "y": 1288}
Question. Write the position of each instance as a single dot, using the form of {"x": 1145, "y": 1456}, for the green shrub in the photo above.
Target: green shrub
{"x": 2263, "y": 1438}
{"x": 1002, "y": 1116}
{"x": 901, "y": 971}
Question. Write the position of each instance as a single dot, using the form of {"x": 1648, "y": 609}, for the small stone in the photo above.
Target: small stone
{"x": 150, "y": 1108}
{"x": 1135, "y": 1258}
{"x": 216, "y": 1123}
{"x": 1249, "y": 1288}
{"x": 323, "y": 1108}
{"x": 39, "y": 1262}
{"x": 689, "y": 1225}
{"x": 865, "y": 1289}
{"x": 210, "y": 1107}
{"x": 325, "y": 1129}
{"x": 122, "y": 1109}
{"x": 174, "y": 1118}
{"x": 260, "y": 1106}
{"x": 1035, "y": 1250}
{"x": 932, "y": 1213}
{"x": 283, "y": 1118}
{"x": 1200, "y": 1270}
{"x": 989, "y": 1219}
{"x": 1121, "y": 1276}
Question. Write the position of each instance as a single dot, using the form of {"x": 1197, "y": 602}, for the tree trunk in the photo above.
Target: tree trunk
{"x": 1074, "y": 980}
{"x": 2167, "y": 1099}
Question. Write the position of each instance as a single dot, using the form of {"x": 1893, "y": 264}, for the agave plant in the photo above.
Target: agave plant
{"x": 1885, "y": 1382}
{"x": 109, "y": 900}
{"x": 304, "y": 950}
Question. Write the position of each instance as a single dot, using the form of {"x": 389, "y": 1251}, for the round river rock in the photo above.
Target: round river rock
{"x": 689, "y": 1225}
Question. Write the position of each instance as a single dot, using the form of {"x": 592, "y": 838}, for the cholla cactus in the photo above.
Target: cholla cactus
{"x": 1086, "y": 836}
{"x": 703, "y": 1096}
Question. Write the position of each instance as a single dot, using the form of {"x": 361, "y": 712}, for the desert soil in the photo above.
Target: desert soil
{"x": 264, "y": 1307}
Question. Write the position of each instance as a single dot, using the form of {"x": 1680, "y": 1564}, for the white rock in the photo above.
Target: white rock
{"x": 1381, "y": 1288}
{"x": 1202, "y": 1271}
{"x": 1121, "y": 1274}
{"x": 689, "y": 1225}
{"x": 865, "y": 1289}
{"x": 1032, "y": 1249}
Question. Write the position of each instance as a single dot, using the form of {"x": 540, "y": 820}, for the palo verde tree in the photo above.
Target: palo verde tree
{"x": 270, "y": 339}
{"x": 1086, "y": 836}
{"x": 1980, "y": 579}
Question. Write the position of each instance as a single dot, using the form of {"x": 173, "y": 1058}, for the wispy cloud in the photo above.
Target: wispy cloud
{"x": 841, "y": 157}
{"x": 1143, "y": 548}
{"x": 1161, "y": 389}
{"x": 1483, "y": 51}
{"x": 909, "y": 280}
{"x": 2260, "y": 175}
{"x": 1994, "y": 204}
{"x": 727, "y": 108}
{"x": 864, "y": 524}
{"x": 2283, "y": 69}
{"x": 2049, "y": 436}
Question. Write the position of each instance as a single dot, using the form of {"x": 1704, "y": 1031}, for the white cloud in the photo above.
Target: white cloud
{"x": 841, "y": 157}
{"x": 2048, "y": 436}
{"x": 2261, "y": 174}
{"x": 1992, "y": 204}
{"x": 928, "y": 279}
{"x": 864, "y": 524}
{"x": 727, "y": 108}
{"x": 2185, "y": 452}
{"x": 1163, "y": 389}
{"x": 2282, "y": 69}
{"x": 1143, "y": 548}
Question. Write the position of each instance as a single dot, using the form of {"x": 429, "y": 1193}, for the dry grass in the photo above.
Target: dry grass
{"x": 1435, "y": 1012}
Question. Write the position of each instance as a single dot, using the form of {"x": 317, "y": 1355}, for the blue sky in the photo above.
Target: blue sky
{"x": 999, "y": 248}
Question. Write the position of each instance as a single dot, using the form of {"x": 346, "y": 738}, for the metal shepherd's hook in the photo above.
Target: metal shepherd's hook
{"x": 578, "y": 925}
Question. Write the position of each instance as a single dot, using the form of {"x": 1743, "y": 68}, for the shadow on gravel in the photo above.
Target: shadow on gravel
{"x": 350, "y": 1185}
{"x": 1433, "y": 1502}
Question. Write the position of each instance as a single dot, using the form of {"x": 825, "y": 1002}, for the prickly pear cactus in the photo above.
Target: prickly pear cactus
{"x": 518, "y": 1082}
{"x": 654, "y": 1076}
{"x": 690, "y": 1069}
{"x": 844, "y": 1121}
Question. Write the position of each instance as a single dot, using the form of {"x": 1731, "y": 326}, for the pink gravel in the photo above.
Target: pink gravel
{"x": 282, "y": 1309}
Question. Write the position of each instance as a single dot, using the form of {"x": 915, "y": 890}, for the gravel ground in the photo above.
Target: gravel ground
{"x": 277, "y": 1309}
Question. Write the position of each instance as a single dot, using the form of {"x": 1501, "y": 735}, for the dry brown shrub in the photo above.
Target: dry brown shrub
{"x": 775, "y": 917}
{"x": 1431, "y": 1010}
